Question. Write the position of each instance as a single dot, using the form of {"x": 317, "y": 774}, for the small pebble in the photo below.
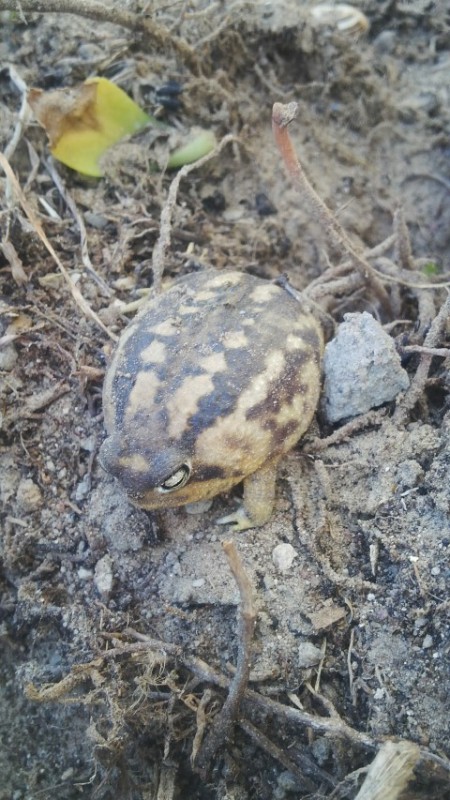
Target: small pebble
{"x": 29, "y": 495}
{"x": 308, "y": 655}
{"x": 283, "y": 556}
{"x": 427, "y": 642}
{"x": 321, "y": 750}
{"x": 8, "y": 357}
{"x": 84, "y": 574}
{"x": 83, "y": 489}
{"x": 103, "y": 577}
{"x": 362, "y": 368}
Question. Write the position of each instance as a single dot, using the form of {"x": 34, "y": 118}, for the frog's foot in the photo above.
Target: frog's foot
{"x": 259, "y": 495}
{"x": 238, "y": 520}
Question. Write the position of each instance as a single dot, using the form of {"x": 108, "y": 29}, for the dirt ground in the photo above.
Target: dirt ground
{"x": 120, "y": 628}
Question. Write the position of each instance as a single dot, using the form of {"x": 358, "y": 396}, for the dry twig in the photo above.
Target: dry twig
{"x": 374, "y": 417}
{"x": 155, "y": 35}
{"x": 80, "y": 301}
{"x": 280, "y": 755}
{"x": 419, "y": 380}
{"x": 223, "y": 723}
{"x": 282, "y": 115}
{"x": 162, "y": 245}
{"x": 71, "y": 205}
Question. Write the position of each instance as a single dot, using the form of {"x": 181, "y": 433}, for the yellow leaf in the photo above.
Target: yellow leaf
{"x": 83, "y": 122}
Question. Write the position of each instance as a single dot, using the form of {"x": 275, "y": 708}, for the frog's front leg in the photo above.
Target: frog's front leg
{"x": 259, "y": 497}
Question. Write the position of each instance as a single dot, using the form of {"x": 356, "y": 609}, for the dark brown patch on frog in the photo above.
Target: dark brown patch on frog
{"x": 281, "y": 392}
{"x": 281, "y": 432}
{"x": 208, "y": 472}
{"x": 312, "y": 339}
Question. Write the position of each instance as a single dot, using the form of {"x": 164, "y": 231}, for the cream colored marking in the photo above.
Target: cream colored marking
{"x": 234, "y": 443}
{"x": 235, "y": 339}
{"x": 166, "y": 328}
{"x": 214, "y": 363}
{"x": 231, "y": 278}
{"x": 205, "y": 294}
{"x": 188, "y": 309}
{"x": 184, "y": 402}
{"x": 263, "y": 293}
{"x": 256, "y": 391}
{"x": 155, "y": 353}
{"x": 294, "y": 342}
{"x": 306, "y": 322}
{"x": 142, "y": 394}
{"x": 135, "y": 463}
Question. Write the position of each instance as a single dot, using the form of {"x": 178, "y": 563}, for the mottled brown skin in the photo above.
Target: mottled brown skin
{"x": 218, "y": 377}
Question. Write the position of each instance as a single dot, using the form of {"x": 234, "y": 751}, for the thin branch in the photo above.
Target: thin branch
{"x": 78, "y": 298}
{"x": 280, "y": 755}
{"x": 162, "y": 245}
{"x": 156, "y": 35}
{"x": 419, "y": 380}
{"x": 224, "y": 721}
{"x": 441, "y": 352}
{"x": 282, "y": 115}
{"x": 374, "y": 417}
{"x": 71, "y": 205}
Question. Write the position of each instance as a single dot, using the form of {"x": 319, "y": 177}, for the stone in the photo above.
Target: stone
{"x": 362, "y": 368}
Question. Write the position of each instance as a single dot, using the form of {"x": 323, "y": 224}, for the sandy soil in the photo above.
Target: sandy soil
{"x": 119, "y": 627}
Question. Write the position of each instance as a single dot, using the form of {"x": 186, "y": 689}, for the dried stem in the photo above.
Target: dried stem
{"x": 374, "y": 417}
{"x": 71, "y": 205}
{"x": 156, "y": 35}
{"x": 282, "y": 115}
{"x": 418, "y": 383}
{"x": 74, "y": 290}
{"x": 162, "y": 245}
{"x": 403, "y": 252}
{"x": 280, "y": 755}
{"x": 223, "y": 723}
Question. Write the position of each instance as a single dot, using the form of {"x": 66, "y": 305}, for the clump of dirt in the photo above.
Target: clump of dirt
{"x": 121, "y": 630}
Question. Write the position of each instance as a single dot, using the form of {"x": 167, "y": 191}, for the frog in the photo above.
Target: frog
{"x": 210, "y": 385}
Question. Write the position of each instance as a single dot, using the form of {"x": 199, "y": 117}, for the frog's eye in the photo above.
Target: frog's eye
{"x": 177, "y": 479}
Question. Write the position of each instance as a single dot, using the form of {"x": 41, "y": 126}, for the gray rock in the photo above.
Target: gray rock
{"x": 308, "y": 655}
{"x": 362, "y": 368}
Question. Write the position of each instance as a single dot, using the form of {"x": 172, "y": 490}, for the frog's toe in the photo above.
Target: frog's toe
{"x": 238, "y": 520}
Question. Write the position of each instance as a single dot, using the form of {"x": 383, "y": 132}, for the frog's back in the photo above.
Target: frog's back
{"x": 224, "y": 367}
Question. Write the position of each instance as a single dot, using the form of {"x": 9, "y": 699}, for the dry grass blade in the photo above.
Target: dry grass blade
{"x": 17, "y": 271}
{"x": 390, "y": 771}
{"x": 78, "y": 298}
{"x": 56, "y": 178}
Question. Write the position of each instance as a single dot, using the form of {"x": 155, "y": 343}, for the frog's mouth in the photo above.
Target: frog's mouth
{"x": 147, "y": 480}
{"x": 167, "y": 481}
